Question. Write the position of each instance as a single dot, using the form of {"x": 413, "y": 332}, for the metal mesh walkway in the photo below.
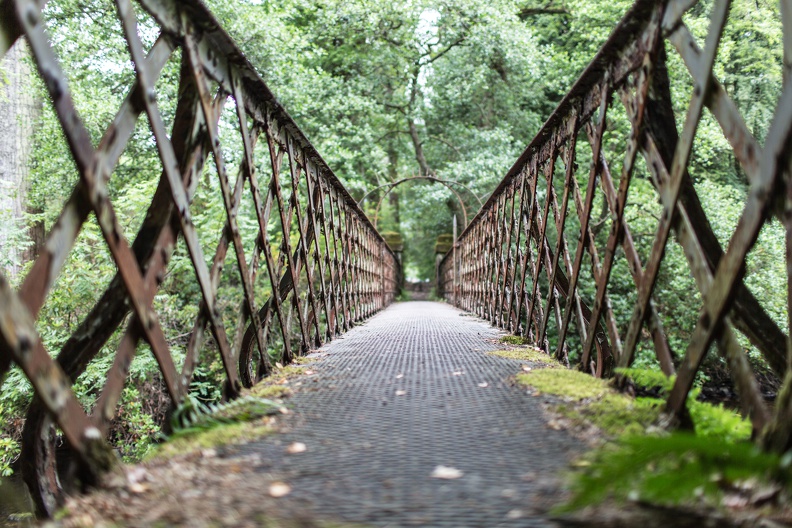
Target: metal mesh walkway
{"x": 396, "y": 397}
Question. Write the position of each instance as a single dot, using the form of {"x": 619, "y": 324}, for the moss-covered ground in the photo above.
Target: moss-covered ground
{"x": 236, "y": 424}
{"x": 527, "y": 354}
{"x": 514, "y": 340}
{"x": 223, "y": 435}
{"x": 635, "y": 461}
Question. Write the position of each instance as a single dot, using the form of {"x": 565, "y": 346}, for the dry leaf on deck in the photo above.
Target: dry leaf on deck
{"x": 448, "y": 473}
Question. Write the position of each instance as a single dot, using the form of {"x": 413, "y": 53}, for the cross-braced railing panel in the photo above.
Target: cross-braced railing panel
{"x": 315, "y": 259}
{"x": 531, "y": 260}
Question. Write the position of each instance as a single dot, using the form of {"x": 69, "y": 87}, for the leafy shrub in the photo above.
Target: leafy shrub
{"x": 675, "y": 469}
{"x": 9, "y": 452}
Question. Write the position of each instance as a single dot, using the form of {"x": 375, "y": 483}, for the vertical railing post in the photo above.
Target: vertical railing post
{"x": 454, "y": 262}
{"x": 382, "y": 277}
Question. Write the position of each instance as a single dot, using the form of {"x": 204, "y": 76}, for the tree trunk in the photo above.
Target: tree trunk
{"x": 393, "y": 174}
{"x": 418, "y": 146}
{"x": 18, "y": 111}
{"x": 393, "y": 199}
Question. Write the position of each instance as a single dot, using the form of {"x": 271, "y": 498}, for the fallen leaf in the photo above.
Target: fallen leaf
{"x": 279, "y": 364}
{"x": 735, "y": 501}
{"x": 483, "y": 384}
{"x": 279, "y": 489}
{"x": 447, "y": 473}
{"x": 137, "y": 488}
{"x": 296, "y": 447}
{"x": 283, "y": 410}
{"x": 401, "y": 392}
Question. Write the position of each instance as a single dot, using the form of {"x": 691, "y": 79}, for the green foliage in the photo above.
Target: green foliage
{"x": 675, "y": 469}
{"x": 9, "y": 445}
{"x": 359, "y": 77}
{"x": 9, "y": 452}
{"x": 193, "y": 416}
{"x": 617, "y": 415}
{"x": 403, "y": 296}
{"x": 713, "y": 421}
{"x": 716, "y": 421}
{"x": 199, "y": 426}
{"x": 514, "y": 340}
{"x": 647, "y": 378}
{"x": 664, "y": 469}
{"x": 139, "y": 432}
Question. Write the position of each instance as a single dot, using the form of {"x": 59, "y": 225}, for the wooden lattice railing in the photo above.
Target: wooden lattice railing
{"x": 325, "y": 266}
{"x": 524, "y": 230}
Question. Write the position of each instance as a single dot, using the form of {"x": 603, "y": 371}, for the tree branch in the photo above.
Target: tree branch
{"x": 445, "y": 50}
{"x": 446, "y": 143}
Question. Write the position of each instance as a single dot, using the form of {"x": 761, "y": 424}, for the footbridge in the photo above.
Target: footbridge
{"x": 404, "y": 386}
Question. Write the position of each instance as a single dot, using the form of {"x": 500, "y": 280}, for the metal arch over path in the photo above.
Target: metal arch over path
{"x": 448, "y": 183}
{"x": 504, "y": 260}
{"x": 326, "y": 267}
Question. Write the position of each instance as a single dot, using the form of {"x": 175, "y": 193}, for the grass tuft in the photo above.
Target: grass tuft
{"x": 514, "y": 340}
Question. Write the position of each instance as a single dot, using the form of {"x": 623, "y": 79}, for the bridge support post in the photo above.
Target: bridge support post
{"x": 454, "y": 262}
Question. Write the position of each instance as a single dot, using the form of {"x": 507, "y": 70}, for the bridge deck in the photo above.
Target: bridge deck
{"x": 379, "y": 409}
{"x": 371, "y": 449}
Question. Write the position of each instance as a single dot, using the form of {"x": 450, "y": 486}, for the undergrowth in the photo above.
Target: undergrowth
{"x": 646, "y": 463}
{"x": 679, "y": 468}
{"x": 404, "y": 296}
{"x": 199, "y": 426}
{"x": 196, "y": 425}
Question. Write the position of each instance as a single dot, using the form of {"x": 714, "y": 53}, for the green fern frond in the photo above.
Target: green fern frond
{"x": 193, "y": 416}
{"x": 674, "y": 469}
{"x": 648, "y": 378}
